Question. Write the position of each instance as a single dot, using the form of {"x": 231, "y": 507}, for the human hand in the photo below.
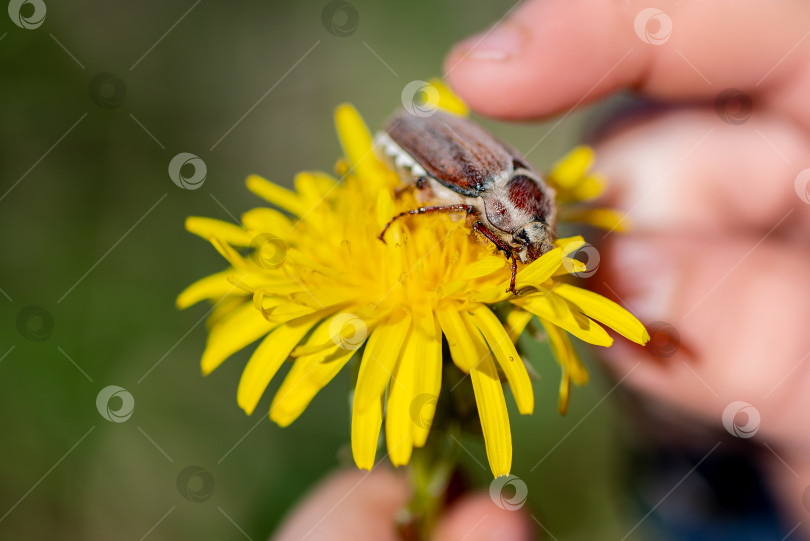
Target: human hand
{"x": 719, "y": 246}
{"x": 357, "y": 506}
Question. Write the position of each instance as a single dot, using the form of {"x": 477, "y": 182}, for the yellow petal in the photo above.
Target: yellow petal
{"x": 569, "y": 361}
{"x": 560, "y": 312}
{"x": 366, "y": 425}
{"x": 539, "y": 270}
{"x": 225, "y": 231}
{"x": 267, "y": 220}
{"x": 493, "y": 414}
{"x": 427, "y": 339}
{"x": 356, "y": 142}
{"x": 570, "y": 245}
{"x": 223, "y": 308}
{"x": 565, "y": 393}
{"x": 516, "y": 321}
{"x": 565, "y": 353}
{"x": 401, "y": 394}
{"x": 507, "y": 357}
{"x": 311, "y": 372}
{"x": 281, "y": 197}
{"x": 231, "y": 256}
{"x": 483, "y": 267}
{"x": 462, "y": 349}
{"x": 605, "y": 311}
{"x": 447, "y": 99}
{"x": 311, "y": 188}
{"x": 590, "y": 188}
{"x": 243, "y": 326}
{"x": 214, "y": 286}
{"x": 379, "y": 358}
{"x": 288, "y": 311}
{"x": 571, "y": 169}
{"x": 267, "y": 359}
{"x": 610, "y": 219}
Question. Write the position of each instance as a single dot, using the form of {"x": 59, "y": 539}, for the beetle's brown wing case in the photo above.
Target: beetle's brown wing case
{"x": 456, "y": 151}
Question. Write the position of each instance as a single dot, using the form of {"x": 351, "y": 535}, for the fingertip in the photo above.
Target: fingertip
{"x": 349, "y": 504}
{"x": 476, "y": 517}
{"x": 543, "y": 58}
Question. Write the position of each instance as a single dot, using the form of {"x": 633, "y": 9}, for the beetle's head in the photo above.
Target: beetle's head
{"x": 534, "y": 239}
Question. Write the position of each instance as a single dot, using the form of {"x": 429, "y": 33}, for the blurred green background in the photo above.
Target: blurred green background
{"x": 92, "y": 232}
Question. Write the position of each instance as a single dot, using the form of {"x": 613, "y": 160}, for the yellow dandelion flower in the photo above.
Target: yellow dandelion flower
{"x": 573, "y": 182}
{"x": 316, "y": 285}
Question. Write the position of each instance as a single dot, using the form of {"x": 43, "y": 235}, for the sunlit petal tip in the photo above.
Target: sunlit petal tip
{"x": 571, "y": 168}
{"x": 447, "y": 99}
{"x": 354, "y": 135}
{"x": 275, "y": 194}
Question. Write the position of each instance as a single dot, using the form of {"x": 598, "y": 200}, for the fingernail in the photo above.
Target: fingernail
{"x": 501, "y": 42}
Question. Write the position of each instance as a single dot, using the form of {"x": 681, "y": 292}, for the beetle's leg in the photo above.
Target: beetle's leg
{"x": 469, "y": 209}
{"x": 502, "y": 246}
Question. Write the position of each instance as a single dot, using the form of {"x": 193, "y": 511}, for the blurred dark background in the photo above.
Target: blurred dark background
{"x": 95, "y": 100}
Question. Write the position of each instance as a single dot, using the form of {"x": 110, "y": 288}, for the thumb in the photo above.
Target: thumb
{"x": 547, "y": 56}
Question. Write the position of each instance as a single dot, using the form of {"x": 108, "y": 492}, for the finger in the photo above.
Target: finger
{"x": 477, "y": 518}
{"x": 550, "y": 55}
{"x": 690, "y": 171}
{"x": 738, "y": 309}
{"x": 349, "y": 505}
